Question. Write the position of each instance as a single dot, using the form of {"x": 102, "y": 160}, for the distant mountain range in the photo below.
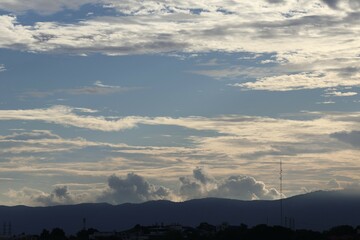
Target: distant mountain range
{"x": 317, "y": 210}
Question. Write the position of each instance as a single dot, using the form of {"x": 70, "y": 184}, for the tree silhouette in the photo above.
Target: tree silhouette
{"x": 57, "y": 234}
{"x": 45, "y": 234}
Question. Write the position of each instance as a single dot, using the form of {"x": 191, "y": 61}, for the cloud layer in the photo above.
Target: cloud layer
{"x": 235, "y": 187}
{"x": 134, "y": 188}
{"x": 314, "y": 43}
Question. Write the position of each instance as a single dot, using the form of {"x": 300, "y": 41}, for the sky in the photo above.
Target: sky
{"x": 131, "y": 101}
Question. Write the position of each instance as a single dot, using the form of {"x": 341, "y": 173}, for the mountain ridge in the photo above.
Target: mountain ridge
{"x": 317, "y": 211}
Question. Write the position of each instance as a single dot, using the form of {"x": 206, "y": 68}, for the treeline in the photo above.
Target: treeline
{"x": 203, "y": 232}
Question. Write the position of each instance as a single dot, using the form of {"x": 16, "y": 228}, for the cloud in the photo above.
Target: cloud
{"x": 247, "y": 144}
{"x": 133, "y": 188}
{"x": 275, "y": 1}
{"x": 66, "y": 116}
{"x": 232, "y": 125}
{"x": 332, "y": 3}
{"x": 59, "y": 195}
{"x": 201, "y": 176}
{"x": 33, "y": 135}
{"x": 235, "y": 187}
{"x": 168, "y": 27}
{"x": 2, "y": 68}
{"x": 41, "y": 141}
{"x": 34, "y": 197}
{"x": 341, "y": 94}
{"x": 352, "y": 137}
{"x": 300, "y": 81}
{"x": 176, "y": 27}
{"x": 333, "y": 184}
{"x": 98, "y": 88}
{"x": 42, "y": 6}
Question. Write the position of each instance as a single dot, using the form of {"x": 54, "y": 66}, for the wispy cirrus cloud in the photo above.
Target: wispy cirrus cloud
{"x": 67, "y": 116}
{"x": 98, "y": 88}
{"x": 340, "y": 94}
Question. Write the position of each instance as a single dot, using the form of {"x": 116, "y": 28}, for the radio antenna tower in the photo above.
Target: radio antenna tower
{"x": 281, "y": 193}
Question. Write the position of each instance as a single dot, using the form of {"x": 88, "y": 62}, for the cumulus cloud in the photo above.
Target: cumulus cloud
{"x": 133, "y": 188}
{"x": 308, "y": 139}
{"x": 34, "y": 197}
{"x": 333, "y": 184}
{"x": 236, "y": 187}
{"x": 2, "y": 68}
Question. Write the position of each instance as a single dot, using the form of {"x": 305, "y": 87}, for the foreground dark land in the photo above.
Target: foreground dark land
{"x": 317, "y": 211}
{"x": 204, "y": 231}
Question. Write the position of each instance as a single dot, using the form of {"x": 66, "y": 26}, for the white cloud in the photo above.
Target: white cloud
{"x": 326, "y": 102}
{"x": 327, "y": 34}
{"x": 133, "y": 188}
{"x": 333, "y": 184}
{"x": 233, "y": 125}
{"x": 65, "y": 116}
{"x": 171, "y": 26}
{"x": 247, "y": 144}
{"x": 341, "y": 94}
{"x": 236, "y": 187}
{"x": 2, "y": 68}
{"x": 60, "y": 195}
{"x": 300, "y": 81}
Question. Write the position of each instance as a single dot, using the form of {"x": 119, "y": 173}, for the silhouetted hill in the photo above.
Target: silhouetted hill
{"x": 318, "y": 211}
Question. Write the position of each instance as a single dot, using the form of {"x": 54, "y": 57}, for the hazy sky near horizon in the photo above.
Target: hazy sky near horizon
{"x": 130, "y": 101}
